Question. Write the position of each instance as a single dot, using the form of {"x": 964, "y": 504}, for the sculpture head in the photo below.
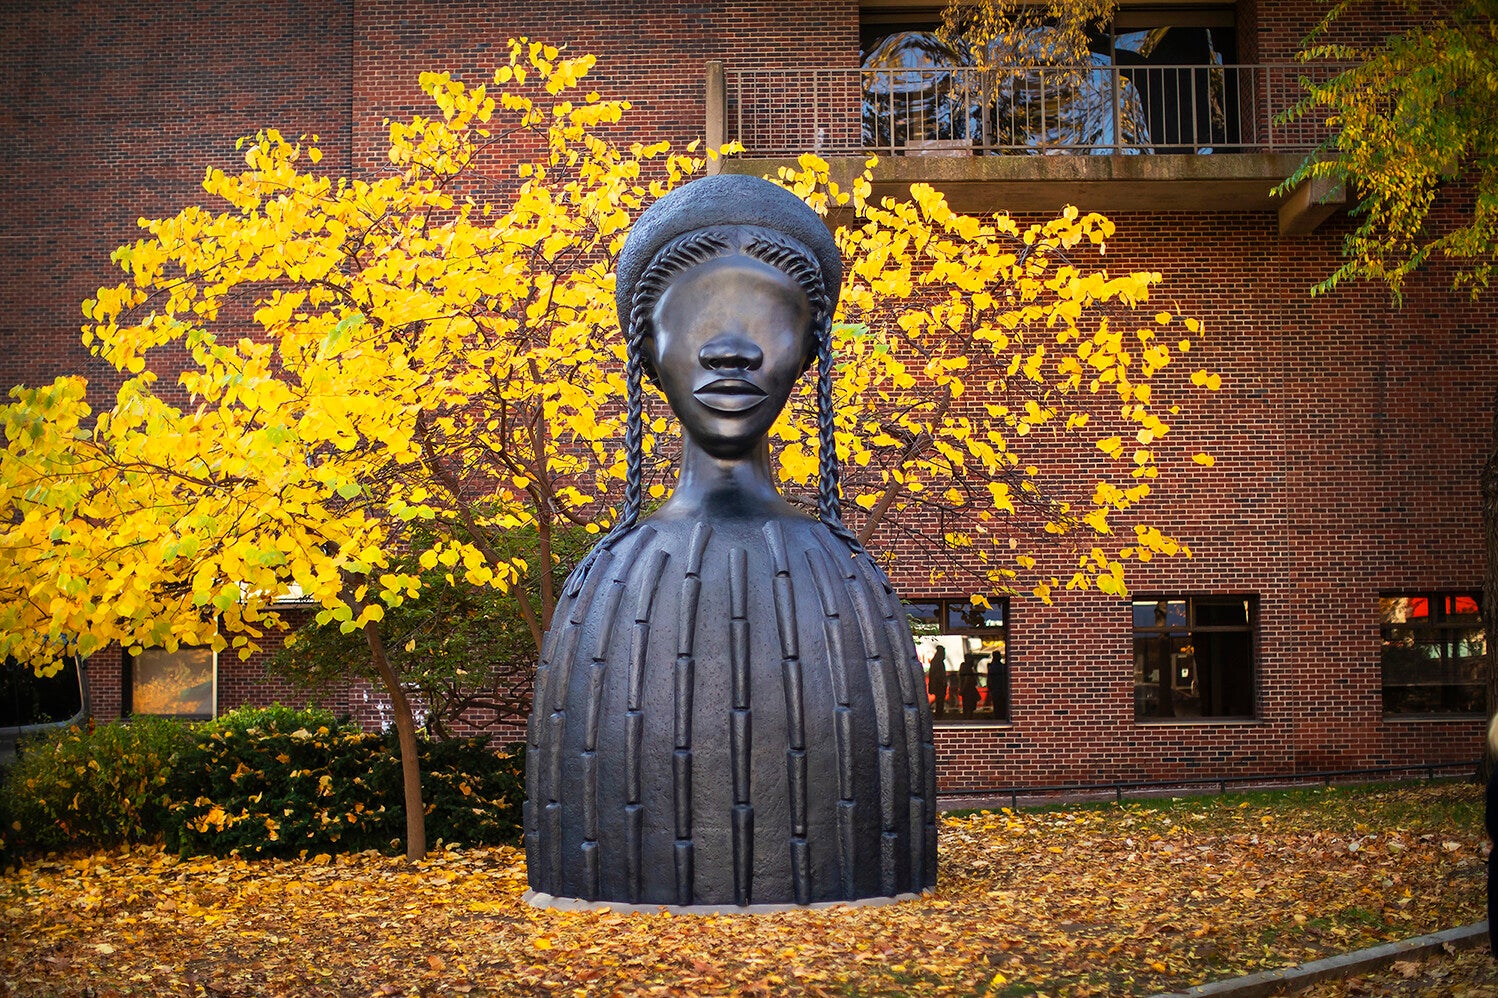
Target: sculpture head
{"x": 725, "y": 289}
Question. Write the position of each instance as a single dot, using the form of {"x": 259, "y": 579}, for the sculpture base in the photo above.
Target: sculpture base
{"x": 539, "y": 899}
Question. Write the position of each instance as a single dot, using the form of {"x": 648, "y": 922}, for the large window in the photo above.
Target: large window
{"x": 1156, "y": 80}
{"x": 177, "y": 683}
{"x": 1432, "y": 654}
{"x": 1194, "y": 658}
{"x": 964, "y": 650}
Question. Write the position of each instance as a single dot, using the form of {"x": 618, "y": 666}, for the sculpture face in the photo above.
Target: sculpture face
{"x": 729, "y": 339}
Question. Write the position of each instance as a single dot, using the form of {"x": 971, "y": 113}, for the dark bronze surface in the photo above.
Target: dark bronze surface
{"x": 729, "y": 708}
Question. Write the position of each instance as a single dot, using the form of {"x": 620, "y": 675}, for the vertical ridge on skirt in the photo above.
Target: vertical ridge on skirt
{"x": 823, "y": 574}
{"x": 634, "y": 718}
{"x": 795, "y": 712}
{"x": 562, "y": 662}
{"x": 592, "y": 721}
{"x": 871, "y": 630}
{"x": 740, "y": 732}
{"x": 681, "y": 757}
{"x": 920, "y": 750}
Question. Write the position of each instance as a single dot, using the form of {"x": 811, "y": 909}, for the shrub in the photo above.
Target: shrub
{"x": 277, "y": 718}
{"x": 260, "y": 781}
{"x": 277, "y": 793}
{"x": 80, "y": 788}
{"x": 473, "y": 795}
{"x": 263, "y": 790}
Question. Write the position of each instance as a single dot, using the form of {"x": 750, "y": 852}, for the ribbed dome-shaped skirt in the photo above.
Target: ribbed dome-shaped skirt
{"x": 730, "y": 714}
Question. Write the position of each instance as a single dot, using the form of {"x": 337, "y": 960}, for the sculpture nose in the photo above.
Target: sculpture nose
{"x": 731, "y": 351}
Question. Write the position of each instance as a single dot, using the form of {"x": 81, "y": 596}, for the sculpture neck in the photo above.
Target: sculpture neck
{"x": 740, "y": 487}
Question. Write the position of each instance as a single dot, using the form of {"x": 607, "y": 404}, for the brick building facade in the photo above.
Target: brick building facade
{"x": 1349, "y": 433}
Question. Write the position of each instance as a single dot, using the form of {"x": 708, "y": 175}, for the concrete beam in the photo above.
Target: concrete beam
{"x": 717, "y": 113}
{"x": 1292, "y": 979}
{"x": 985, "y": 184}
{"x": 1310, "y": 204}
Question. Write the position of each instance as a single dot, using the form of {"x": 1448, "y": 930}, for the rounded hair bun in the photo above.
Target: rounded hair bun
{"x": 723, "y": 200}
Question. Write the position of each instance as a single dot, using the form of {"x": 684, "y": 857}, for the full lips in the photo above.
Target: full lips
{"x": 730, "y": 395}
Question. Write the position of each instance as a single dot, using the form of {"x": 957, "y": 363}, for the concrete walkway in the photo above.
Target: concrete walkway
{"x": 1290, "y": 979}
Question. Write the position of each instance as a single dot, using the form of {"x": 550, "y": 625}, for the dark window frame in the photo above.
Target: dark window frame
{"x": 999, "y": 696}
{"x": 1440, "y": 627}
{"x": 1188, "y": 629}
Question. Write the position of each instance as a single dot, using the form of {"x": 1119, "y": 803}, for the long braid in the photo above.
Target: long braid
{"x": 797, "y": 263}
{"x": 683, "y": 252}
{"x": 829, "y": 503}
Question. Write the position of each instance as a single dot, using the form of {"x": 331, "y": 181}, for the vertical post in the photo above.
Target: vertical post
{"x": 1268, "y": 114}
{"x": 1195, "y": 115}
{"x": 1117, "y": 89}
{"x": 816, "y": 112}
{"x": 717, "y": 113}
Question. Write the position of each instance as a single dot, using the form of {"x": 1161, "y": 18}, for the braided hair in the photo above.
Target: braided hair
{"x": 682, "y": 253}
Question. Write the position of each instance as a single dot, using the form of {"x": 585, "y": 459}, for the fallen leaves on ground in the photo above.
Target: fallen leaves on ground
{"x": 1463, "y": 973}
{"x": 1081, "y": 901}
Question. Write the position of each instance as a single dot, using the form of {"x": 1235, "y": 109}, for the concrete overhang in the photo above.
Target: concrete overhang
{"x": 1110, "y": 184}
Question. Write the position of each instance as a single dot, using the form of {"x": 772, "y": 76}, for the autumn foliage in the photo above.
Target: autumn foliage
{"x": 1116, "y": 901}
{"x": 1412, "y": 137}
{"x": 430, "y": 347}
{"x": 91, "y": 788}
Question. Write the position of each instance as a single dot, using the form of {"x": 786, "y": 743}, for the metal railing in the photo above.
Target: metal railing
{"x": 959, "y": 110}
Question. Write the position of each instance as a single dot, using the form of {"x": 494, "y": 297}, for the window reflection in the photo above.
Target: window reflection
{"x": 963, "y": 651}
{"x": 1193, "y": 658}
{"x": 1433, "y": 653}
{"x": 1154, "y": 82}
{"x": 171, "y": 683}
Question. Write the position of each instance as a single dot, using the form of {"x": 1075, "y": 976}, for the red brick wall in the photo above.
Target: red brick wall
{"x": 114, "y": 111}
{"x": 656, "y": 61}
{"x": 1348, "y": 433}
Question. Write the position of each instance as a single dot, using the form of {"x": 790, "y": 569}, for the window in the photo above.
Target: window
{"x": 1155, "y": 80}
{"x": 964, "y": 650}
{"x": 1194, "y": 658}
{"x": 179, "y": 683}
{"x": 1432, "y": 654}
{"x": 30, "y": 704}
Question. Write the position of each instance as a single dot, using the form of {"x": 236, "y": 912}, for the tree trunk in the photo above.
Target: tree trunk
{"x": 405, "y": 731}
{"x": 1489, "y": 482}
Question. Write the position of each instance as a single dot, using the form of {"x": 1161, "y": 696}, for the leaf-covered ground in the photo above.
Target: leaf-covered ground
{"x": 1084, "y": 901}
{"x": 1465, "y": 973}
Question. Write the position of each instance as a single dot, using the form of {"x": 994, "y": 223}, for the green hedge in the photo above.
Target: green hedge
{"x": 275, "y": 792}
{"x": 257, "y": 781}
{"x": 92, "y": 788}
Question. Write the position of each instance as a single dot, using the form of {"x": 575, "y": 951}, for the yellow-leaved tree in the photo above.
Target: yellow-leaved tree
{"x": 333, "y": 387}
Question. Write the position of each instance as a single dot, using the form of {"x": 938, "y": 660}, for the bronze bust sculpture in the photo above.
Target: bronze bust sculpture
{"x": 729, "y": 709}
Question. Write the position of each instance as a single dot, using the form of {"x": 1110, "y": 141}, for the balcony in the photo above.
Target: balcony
{"x": 1112, "y": 138}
